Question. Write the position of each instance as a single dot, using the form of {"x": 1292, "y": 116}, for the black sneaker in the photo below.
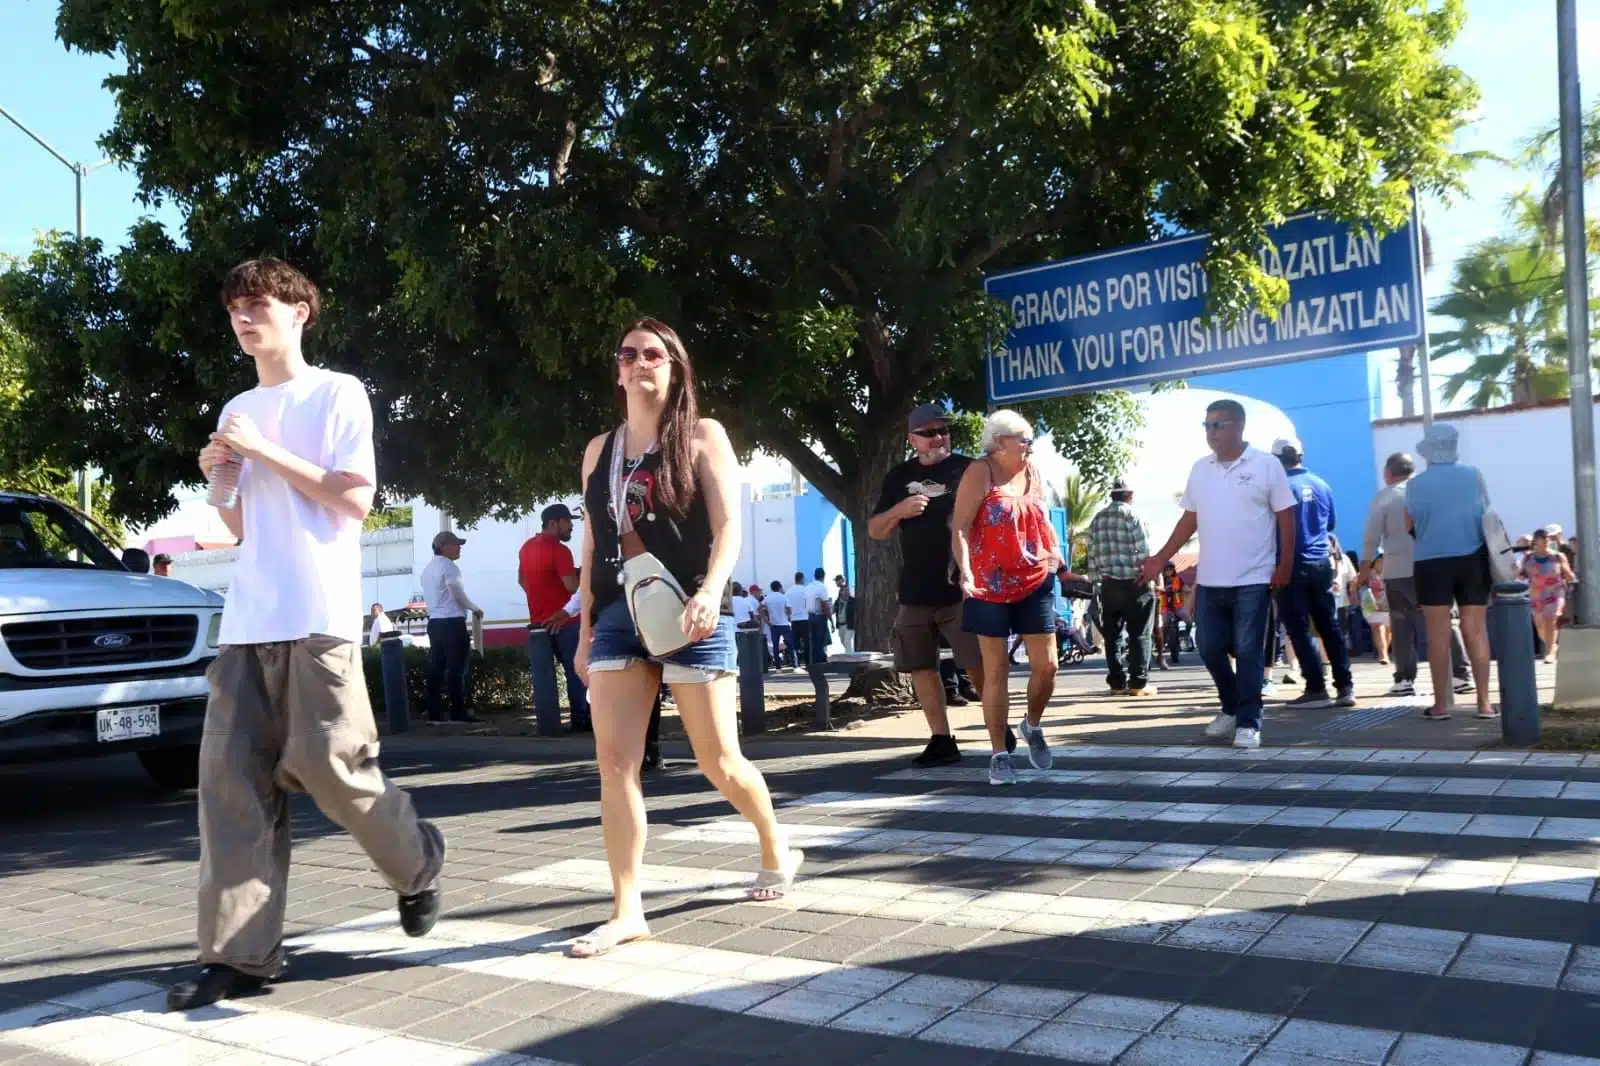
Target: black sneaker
{"x": 1011, "y": 740}
{"x": 418, "y": 913}
{"x": 969, "y": 691}
{"x": 1312, "y": 699}
{"x": 652, "y": 758}
{"x": 954, "y": 698}
{"x": 941, "y": 751}
{"x": 467, "y": 719}
{"x": 215, "y": 983}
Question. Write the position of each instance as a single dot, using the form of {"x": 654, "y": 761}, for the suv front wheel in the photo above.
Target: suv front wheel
{"x": 175, "y": 769}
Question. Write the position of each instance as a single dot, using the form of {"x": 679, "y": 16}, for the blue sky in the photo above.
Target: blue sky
{"x": 1508, "y": 47}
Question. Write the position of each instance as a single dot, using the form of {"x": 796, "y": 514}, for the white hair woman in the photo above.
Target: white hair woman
{"x": 1007, "y": 553}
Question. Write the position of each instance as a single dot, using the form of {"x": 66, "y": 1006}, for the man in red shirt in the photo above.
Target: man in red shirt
{"x": 547, "y": 574}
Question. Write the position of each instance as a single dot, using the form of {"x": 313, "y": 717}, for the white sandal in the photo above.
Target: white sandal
{"x": 775, "y": 884}
{"x": 604, "y": 937}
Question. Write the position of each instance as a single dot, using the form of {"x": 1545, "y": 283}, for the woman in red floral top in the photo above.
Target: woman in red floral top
{"x": 1007, "y": 554}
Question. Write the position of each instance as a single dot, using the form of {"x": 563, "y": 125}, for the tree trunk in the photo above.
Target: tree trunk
{"x": 1405, "y": 380}
{"x": 877, "y": 562}
{"x": 1523, "y": 373}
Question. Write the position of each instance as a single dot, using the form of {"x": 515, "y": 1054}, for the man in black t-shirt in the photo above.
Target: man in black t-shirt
{"x": 918, "y": 499}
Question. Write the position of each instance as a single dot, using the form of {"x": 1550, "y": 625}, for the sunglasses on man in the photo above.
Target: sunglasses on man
{"x": 931, "y": 432}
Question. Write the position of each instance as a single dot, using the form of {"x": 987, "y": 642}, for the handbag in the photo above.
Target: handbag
{"x": 653, "y": 596}
{"x": 1496, "y": 541}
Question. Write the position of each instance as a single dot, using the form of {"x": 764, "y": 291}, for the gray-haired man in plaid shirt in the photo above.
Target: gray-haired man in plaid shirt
{"x": 1118, "y": 547}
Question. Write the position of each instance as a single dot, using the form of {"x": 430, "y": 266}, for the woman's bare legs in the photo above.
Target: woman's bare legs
{"x": 709, "y": 713}
{"x": 1041, "y": 675}
{"x": 1475, "y": 634}
{"x": 1546, "y": 625}
{"x": 621, "y": 701}
{"x": 1380, "y": 642}
{"x": 996, "y": 692}
{"x": 1437, "y": 619}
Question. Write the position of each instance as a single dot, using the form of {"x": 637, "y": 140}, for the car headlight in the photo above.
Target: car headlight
{"x": 214, "y": 631}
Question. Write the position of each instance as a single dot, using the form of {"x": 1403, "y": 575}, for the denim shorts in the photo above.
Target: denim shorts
{"x": 1032, "y": 615}
{"x": 617, "y": 646}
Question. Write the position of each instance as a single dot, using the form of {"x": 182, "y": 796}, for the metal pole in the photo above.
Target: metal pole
{"x": 1581, "y": 401}
{"x": 84, "y": 493}
{"x": 1424, "y": 349}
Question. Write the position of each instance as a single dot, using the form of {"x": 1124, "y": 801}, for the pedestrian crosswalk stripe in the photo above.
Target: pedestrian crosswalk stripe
{"x": 126, "y": 1022}
{"x": 1377, "y": 945}
{"x": 1501, "y": 826}
{"x": 1373, "y": 756}
{"x": 1052, "y": 1022}
{"x": 1274, "y": 780}
{"x": 1409, "y": 872}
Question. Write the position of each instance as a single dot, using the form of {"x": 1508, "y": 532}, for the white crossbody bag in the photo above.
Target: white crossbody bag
{"x": 654, "y": 598}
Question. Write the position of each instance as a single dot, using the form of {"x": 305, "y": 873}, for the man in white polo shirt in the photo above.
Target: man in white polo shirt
{"x": 1238, "y": 499}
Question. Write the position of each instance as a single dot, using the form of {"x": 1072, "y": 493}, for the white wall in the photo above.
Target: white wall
{"x": 1525, "y": 456}
{"x": 489, "y": 558}
{"x": 767, "y": 550}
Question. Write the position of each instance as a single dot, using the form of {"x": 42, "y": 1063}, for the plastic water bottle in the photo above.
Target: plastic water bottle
{"x": 224, "y": 483}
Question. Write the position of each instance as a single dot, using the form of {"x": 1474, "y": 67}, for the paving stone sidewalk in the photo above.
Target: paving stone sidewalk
{"x": 1134, "y": 906}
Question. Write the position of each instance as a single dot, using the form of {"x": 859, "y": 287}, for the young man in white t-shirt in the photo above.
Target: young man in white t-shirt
{"x": 819, "y": 612}
{"x": 1238, "y": 500}
{"x": 288, "y": 707}
{"x": 800, "y": 617}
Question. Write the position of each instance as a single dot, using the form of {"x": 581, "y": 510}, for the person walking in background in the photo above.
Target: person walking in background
{"x": 1548, "y": 576}
{"x": 1308, "y": 602}
{"x": 800, "y": 618}
{"x": 819, "y": 613}
{"x": 916, "y": 502}
{"x": 1238, "y": 500}
{"x": 780, "y": 620}
{"x": 288, "y": 707}
{"x": 764, "y": 620}
{"x": 1388, "y": 533}
{"x": 1375, "y": 607}
{"x": 549, "y": 578}
{"x": 1445, "y": 505}
{"x": 161, "y": 565}
{"x": 1118, "y": 548}
{"x": 1174, "y": 609}
{"x": 449, "y": 643}
{"x": 1346, "y": 595}
{"x": 380, "y": 625}
{"x": 664, "y": 483}
{"x": 1006, "y": 552}
{"x": 844, "y": 613}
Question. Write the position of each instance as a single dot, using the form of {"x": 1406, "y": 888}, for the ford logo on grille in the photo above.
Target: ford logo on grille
{"x": 112, "y": 640}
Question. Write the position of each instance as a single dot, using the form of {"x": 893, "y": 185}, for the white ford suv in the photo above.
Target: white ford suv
{"x": 97, "y": 656}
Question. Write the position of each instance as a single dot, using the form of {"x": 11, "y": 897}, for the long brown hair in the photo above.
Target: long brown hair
{"x": 675, "y": 487}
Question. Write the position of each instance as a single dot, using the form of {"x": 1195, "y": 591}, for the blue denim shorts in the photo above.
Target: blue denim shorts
{"x": 1030, "y": 616}
{"x": 617, "y": 646}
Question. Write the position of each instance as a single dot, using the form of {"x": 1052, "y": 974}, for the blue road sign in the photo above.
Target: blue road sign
{"x": 1137, "y": 315}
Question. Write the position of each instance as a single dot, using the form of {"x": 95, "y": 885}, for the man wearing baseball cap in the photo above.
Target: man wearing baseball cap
{"x": 1118, "y": 548}
{"x": 449, "y": 643}
{"x": 549, "y": 578}
{"x": 1307, "y": 601}
{"x": 918, "y": 499}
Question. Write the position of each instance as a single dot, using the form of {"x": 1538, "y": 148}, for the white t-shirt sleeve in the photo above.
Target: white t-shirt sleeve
{"x": 1188, "y": 502}
{"x": 1279, "y": 496}
{"x": 350, "y": 432}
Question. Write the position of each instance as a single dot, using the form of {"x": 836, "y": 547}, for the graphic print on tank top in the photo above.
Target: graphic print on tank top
{"x": 639, "y": 496}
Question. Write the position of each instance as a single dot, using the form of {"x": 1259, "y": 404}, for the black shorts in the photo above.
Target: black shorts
{"x": 1456, "y": 580}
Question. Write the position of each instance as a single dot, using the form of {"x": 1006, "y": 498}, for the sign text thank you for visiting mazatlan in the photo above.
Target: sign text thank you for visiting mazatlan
{"x": 1137, "y": 315}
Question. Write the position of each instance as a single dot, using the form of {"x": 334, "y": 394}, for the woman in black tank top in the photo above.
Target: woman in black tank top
{"x": 671, "y": 478}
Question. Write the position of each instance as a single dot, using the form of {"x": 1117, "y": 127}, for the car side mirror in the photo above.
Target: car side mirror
{"x": 136, "y": 559}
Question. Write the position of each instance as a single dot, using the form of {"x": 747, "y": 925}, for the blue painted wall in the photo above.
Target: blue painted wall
{"x": 814, "y": 516}
{"x": 1329, "y": 402}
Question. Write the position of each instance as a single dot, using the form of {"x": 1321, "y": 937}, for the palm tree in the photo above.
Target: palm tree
{"x": 1083, "y": 500}
{"x": 1508, "y": 303}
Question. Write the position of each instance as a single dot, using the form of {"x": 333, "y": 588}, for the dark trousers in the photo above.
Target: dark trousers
{"x": 1131, "y": 607}
{"x": 1172, "y": 635}
{"x": 817, "y": 638}
{"x": 802, "y": 641}
{"x": 1232, "y": 639}
{"x": 449, "y": 652}
{"x": 784, "y": 635}
{"x": 1409, "y": 636}
{"x": 566, "y": 646}
{"x": 1306, "y": 602}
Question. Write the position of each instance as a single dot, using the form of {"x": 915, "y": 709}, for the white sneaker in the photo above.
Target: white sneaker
{"x": 1269, "y": 691}
{"x": 1463, "y": 687}
{"x": 1221, "y": 727}
{"x": 1000, "y": 769}
{"x": 1247, "y": 738}
{"x": 1403, "y": 688}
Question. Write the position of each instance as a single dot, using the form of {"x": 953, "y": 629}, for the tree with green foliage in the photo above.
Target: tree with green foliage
{"x": 809, "y": 189}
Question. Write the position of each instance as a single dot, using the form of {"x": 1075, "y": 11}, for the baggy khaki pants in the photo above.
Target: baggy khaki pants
{"x": 283, "y": 717}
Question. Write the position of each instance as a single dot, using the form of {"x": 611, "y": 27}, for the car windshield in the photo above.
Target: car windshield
{"x": 41, "y": 533}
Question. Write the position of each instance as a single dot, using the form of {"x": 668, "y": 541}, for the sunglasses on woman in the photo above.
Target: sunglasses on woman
{"x": 627, "y": 356}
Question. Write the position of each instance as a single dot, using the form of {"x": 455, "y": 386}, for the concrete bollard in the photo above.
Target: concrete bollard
{"x": 1511, "y": 633}
{"x": 752, "y": 683}
{"x": 397, "y": 706}
{"x": 546, "y": 697}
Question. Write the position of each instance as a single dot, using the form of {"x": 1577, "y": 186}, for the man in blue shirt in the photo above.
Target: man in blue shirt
{"x": 1307, "y": 601}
